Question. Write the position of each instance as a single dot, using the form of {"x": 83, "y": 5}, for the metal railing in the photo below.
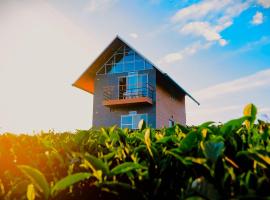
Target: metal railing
{"x": 127, "y": 92}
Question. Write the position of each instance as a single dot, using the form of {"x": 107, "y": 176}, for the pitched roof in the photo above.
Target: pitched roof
{"x": 86, "y": 80}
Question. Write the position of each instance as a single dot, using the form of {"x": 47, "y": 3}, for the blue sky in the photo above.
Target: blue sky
{"x": 218, "y": 50}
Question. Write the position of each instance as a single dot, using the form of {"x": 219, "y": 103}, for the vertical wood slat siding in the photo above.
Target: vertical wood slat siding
{"x": 167, "y": 107}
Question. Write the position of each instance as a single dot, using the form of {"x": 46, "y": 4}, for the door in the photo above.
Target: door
{"x": 132, "y": 85}
{"x": 122, "y": 87}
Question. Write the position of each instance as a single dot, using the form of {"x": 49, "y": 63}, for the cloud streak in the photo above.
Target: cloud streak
{"x": 188, "y": 51}
{"x": 208, "y": 18}
{"x": 260, "y": 79}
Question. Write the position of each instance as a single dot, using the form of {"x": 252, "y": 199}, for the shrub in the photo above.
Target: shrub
{"x": 208, "y": 161}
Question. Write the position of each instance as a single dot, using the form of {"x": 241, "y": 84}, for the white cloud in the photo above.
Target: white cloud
{"x": 264, "y": 40}
{"x": 260, "y": 79}
{"x": 223, "y": 42}
{"x": 134, "y": 35}
{"x": 257, "y": 18}
{"x": 209, "y": 18}
{"x": 225, "y": 101}
{"x": 188, "y": 51}
{"x": 99, "y": 5}
{"x": 204, "y": 29}
{"x": 199, "y": 10}
{"x": 264, "y": 3}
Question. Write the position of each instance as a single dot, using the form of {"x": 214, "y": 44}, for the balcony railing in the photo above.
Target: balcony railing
{"x": 127, "y": 94}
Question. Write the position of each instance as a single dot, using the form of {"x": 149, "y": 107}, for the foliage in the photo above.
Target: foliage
{"x": 209, "y": 161}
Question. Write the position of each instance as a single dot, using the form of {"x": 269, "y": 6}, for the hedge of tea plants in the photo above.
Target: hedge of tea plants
{"x": 208, "y": 161}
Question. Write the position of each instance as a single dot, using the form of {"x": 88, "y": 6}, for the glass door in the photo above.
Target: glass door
{"x": 132, "y": 85}
{"x": 122, "y": 87}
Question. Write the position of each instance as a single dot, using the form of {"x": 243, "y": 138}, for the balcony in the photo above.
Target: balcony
{"x": 121, "y": 95}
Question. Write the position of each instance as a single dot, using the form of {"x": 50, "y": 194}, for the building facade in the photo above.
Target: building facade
{"x": 127, "y": 87}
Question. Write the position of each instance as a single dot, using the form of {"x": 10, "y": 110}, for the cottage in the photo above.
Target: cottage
{"x": 127, "y": 87}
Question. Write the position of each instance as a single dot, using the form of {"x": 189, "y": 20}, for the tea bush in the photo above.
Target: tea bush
{"x": 209, "y": 161}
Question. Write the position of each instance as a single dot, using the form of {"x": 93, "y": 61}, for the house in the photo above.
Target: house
{"x": 127, "y": 87}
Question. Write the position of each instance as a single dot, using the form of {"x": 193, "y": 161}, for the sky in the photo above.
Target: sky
{"x": 218, "y": 50}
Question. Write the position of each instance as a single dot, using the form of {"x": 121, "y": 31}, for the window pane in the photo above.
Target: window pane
{"x": 136, "y": 120}
{"x": 129, "y": 67}
{"x": 129, "y": 126}
{"x": 129, "y": 58}
{"x": 138, "y": 57}
{"x": 148, "y": 65}
{"x": 126, "y": 119}
{"x": 139, "y": 65}
{"x": 125, "y": 60}
{"x": 109, "y": 69}
{"x": 171, "y": 123}
{"x": 119, "y": 58}
{"x": 118, "y": 68}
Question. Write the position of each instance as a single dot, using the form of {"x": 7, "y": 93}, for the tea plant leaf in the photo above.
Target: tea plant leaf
{"x": 231, "y": 125}
{"x": 213, "y": 150}
{"x": 147, "y": 140}
{"x": 190, "y": 141}
{"x": 206, "y": 124}
{"x": 125, "y": 167}
{"x": 250, "y": 110}
{"x": 37, "y": 178}
{"x": 69, "y": 181}
{"x": 30, "y": 192}
{"x": 98, "y": 164}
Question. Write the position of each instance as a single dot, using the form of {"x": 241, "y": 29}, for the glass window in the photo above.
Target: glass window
{"x": 171, "y": 123}
{"x": 142, "y": 85}
{"x": 139, "y": 65}
{"x": 132, "y": 120}
{"x": 129, "y": 67}
{"x": 124, "y": 60}
{"x": 109, "y": 69}
{"x": 127, "y": 119}
{"x": 148, "y": 65}
{"x": 137, "y": 57}
{"x": 118, "y": 68}
{"x": 119, "y": 58}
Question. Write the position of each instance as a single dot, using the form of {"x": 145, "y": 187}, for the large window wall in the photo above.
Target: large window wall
{"x": 132, "y": 120}
{"x": 124, "y": 60}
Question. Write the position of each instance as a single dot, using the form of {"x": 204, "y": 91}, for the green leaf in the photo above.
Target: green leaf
{"x": 125, "y": 167}
{"x": 30, "y": 194}
{"x": 98, "y": 164}
{"x": 250, "y": 111}
{"x": 180, "y": 158}
{"x": 167, "y": 139}
{"x": 213, "y": 150}
{"x": 69, "y": 181}
{"x": 190, "y": 141}
{"x": 147, "y": 140}
{"x": 206, "y": 124}
{"x": 231, "y": 125}
{"x": 37, "y": 178}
